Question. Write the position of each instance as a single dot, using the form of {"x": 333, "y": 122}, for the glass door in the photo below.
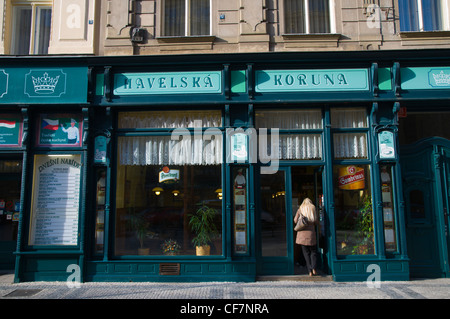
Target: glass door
{"x": 275, "y": 240}
{"x": 307, "y": 183}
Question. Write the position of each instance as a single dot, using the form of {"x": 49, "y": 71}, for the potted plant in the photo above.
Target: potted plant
{"x": 170, "y": 247}
{"x": 364, "y": 226}
{"x": 202, "y": 224}
{"x": 140, "y": 226}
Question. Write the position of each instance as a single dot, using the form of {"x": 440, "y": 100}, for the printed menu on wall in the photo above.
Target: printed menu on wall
{"x": 55, "y": 200}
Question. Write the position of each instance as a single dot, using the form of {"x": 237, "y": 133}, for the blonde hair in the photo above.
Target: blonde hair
{"x": 308, "y": 210}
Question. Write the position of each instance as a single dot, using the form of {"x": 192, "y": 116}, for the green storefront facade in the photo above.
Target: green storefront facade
{"x": 112, "y": 158}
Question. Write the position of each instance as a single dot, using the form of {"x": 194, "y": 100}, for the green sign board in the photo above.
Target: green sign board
{"x": 167, "y": 83}
{"x": 60, "y": 130}
{"x": 332, "y": 80}
{"x": 10, "y": 130}
{"x": 49, "y": 85}
{"x": 424, "y": 78}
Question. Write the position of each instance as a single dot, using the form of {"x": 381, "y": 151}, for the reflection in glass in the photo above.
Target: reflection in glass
{"x": 100, "y": 210}
{"x": 390, "y": 240}
{"x": 154, "y": 204}
{"x": 273, "y": 214}
{"x": 353, "y": 210}
{"x": 11, "y": 177}
{"x": 240, "y": 210}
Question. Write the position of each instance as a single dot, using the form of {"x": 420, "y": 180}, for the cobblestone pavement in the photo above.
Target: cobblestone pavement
{"x": 289, "y": 289}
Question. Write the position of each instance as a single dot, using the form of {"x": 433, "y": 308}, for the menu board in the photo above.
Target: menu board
{"x": 55, "y": 200}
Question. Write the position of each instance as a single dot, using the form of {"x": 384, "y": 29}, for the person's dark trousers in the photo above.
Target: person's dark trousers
{"x": 310, "y": 253}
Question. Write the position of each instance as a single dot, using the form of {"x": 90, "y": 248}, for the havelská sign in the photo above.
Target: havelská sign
{"x": 167, "y": 83}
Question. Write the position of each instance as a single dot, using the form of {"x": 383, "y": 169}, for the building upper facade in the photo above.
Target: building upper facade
{"x": 154, "y": 27}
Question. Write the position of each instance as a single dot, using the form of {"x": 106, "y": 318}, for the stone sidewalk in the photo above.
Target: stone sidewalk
{"x": 267, "y": 289}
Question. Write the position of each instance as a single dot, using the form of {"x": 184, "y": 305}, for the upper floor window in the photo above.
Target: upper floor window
{"x": 424, "y": 15}
{"x": 307, "y": 16}
{"x": 187, "y": 17}
{"x": 30, "y": 27}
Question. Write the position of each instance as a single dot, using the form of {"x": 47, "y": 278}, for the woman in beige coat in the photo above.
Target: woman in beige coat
{"x": 307, "y": 237}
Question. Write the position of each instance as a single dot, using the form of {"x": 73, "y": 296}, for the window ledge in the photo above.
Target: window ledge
{"x": 311, "y": 36}
{"x": 311, "y": 40}
{"x": 186, "y": 43}
{"x": 187, "y": 39}
{"x": 424, "y": 34}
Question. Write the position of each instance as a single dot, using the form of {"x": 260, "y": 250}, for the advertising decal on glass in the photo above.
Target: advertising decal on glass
{"x": 59, "y": 130}
{"x": 351, "y": 178}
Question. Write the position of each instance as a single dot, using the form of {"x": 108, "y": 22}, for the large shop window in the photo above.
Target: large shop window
{"x": 353, "y": 210}
{"x": 352, "y": 191}
{"x": 300, "y": 135}
{"x": 187, "y": 17}
{"x": 164, "y": 183}
{"x": 31, "y": 24}
{"x": 307, "y": 16}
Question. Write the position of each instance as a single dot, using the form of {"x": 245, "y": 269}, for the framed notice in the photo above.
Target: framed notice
{"x": 59, "y": 130}
{"x": 11, "y": 128}
{"x": 55, "y": 200}
{"x": 386, "y": 145}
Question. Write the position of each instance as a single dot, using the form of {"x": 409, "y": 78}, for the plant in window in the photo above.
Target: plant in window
{"x": 170, "y": 247}
{"x": 140, "y": 225}
{"x": 364, "y": 227}
{"x": 202, "y": 224}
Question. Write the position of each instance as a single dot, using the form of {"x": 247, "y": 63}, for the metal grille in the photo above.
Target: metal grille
{"x": 171, "y": 269}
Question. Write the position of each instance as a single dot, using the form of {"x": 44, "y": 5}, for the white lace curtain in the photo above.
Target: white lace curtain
{"x": 289, "y": 120}
{"x": 349, "y": 118}
{"x": 349, "y": 145}
{"x": 293, "y": 146}
{"x": 169, "y": 119}
{"x": 162, "y": 150}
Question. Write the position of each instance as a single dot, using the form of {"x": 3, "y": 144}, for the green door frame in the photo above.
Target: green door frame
{"x": 283, "y": 265}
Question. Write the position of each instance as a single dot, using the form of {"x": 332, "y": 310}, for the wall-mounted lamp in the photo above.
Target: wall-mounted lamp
{"x": 157, "y": 190}
{"x": 219, "y": 193}
{"x": 176, "y": 192}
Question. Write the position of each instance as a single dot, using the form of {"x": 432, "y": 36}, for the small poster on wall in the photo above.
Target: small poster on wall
{"x": 386, "y": 145}
{"x": 10, "y": 130}
{"x": 59, "y": 130}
